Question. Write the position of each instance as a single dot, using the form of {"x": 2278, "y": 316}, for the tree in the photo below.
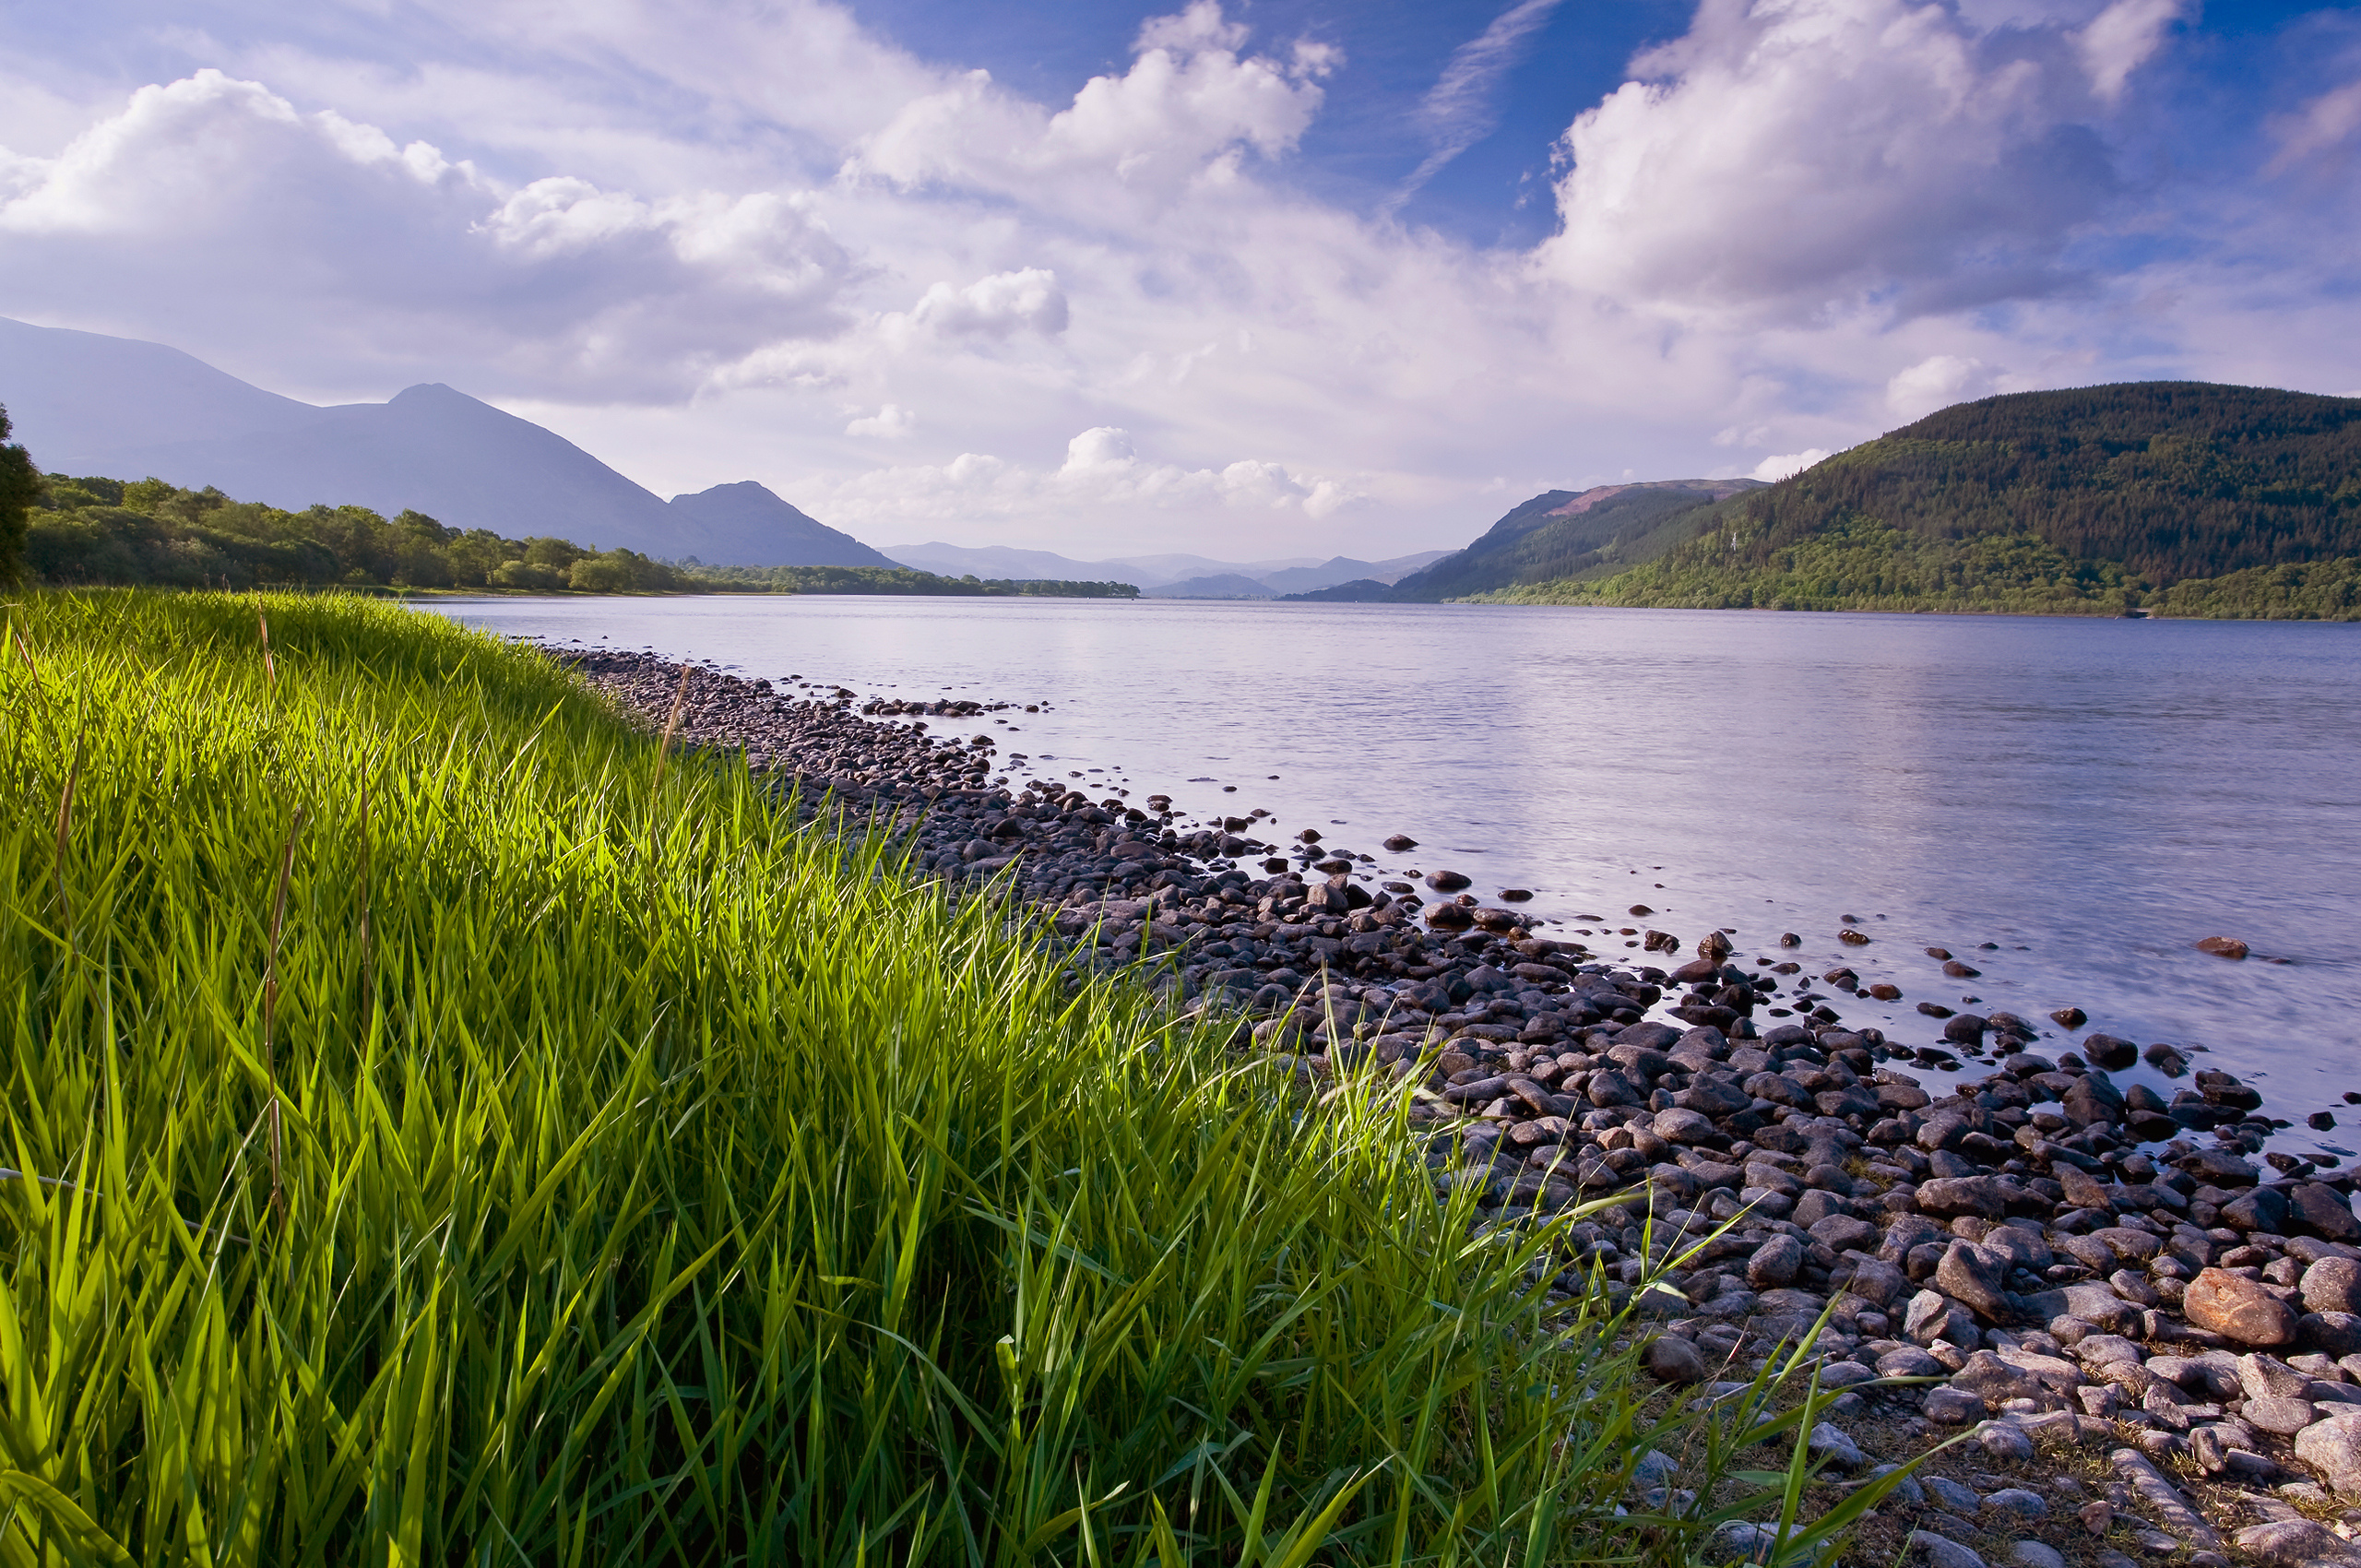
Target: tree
{"x": 20, "y": 488}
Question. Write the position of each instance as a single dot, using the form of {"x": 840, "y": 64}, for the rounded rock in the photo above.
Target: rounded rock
{"x": 2242, "y": 1310}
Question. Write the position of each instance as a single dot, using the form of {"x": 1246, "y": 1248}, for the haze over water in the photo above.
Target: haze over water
{"x": 2091, "y": 795}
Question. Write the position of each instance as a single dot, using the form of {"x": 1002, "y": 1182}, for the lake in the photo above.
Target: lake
{"x": 2092, "y": 796}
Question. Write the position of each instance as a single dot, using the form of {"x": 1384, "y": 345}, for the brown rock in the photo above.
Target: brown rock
{"x": 2237, "y": 1309}
{"x": 2069, "y": 1017}
{"x": 2222, "y": 946}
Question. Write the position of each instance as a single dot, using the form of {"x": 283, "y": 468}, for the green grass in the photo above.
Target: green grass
{"x": 453, "y": 1131}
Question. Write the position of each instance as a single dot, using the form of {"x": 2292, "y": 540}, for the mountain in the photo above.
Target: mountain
{"x": 1344, "y": 568}
{"x": 2091, "y": 500}
{"x": 72, "y": 392}
{"x": 748, "y": 526}
{"x": 1562, "y": 533}
{"x": 89, "y": 404}
{"x": 1160, "y": 576}
{"x": 1215, "y": 585}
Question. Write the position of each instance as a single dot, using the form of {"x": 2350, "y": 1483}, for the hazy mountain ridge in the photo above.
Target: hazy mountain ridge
{"x": 2189, "y": 497}
{"x": 1162, "y": 577}
{"x": 88, "y": 404}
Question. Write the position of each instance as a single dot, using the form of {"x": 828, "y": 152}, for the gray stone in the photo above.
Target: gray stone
{"x": 1775, "y": 1262}
{"x": 1940, "y": 1552}
{"x": 2006, "y": 1441}
{"x": 1910, "y": 1361}
{"x": 2158, "y": 1497}
{"x": 1678, "y": 1126}
{"x": 2295, "y": 1543}
{"x": 2333, "y": 1285}
{"x": 2331, "y": 1334}
{"x": 2267, "y": 1377}
{"x": 1953, "y": 1407}
{"x": 1670, "y": 1359}
{"x": 2332, "y": 1446}
{"x": 2033, "y": 1554}
{"x": 1843, "y": 1232}
{"x": 2283, "y": 1416}
{"x": 1831, "y": 1446}
{"x": 2018, "y": 1501}
{"x": 1932, "y": 1315}
{"x": 1977, "y": 1276}
{"x": 1957, "y": 1496}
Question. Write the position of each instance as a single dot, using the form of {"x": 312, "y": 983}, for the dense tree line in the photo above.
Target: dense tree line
{"x": 94, "y": 530}
{"x": 20, "y": 488}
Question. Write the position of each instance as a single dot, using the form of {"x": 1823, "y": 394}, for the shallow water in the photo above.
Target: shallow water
{"x": 2092, "y": 796}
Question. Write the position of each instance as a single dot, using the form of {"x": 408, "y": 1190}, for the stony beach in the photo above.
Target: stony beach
{"x": 2144, "y": 1328}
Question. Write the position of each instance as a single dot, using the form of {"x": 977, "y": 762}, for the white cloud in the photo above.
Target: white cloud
{"x": 1793, "y": 157}
{"x": 1772, "y": 469}
{"x": 214, "y": 196}
{"x": 892, "y": 422}
{"x": 2324, "y": 123}
{"x": 2121, "y": 39}
{"x": 996, "y": 306}
{"x": 1936, "y": 382}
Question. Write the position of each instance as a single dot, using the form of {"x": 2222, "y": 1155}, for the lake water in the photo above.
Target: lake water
{"x": 2092, "y": 796}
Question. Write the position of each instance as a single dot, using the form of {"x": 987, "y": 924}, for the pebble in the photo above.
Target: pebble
{"x": 2035, "y": 1554}
{"x": 1940, "y": 1552}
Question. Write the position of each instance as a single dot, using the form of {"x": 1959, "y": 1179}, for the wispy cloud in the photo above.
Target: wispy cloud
{"x": 1460, "y": 109}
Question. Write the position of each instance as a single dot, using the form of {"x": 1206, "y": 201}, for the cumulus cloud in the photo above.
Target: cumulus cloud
{"x": 1938, "y": 382}
{"x": 892, "y": 422}
{"x": 1183, "y": 116}
{"x": 1773, "y": 469}
{"x": 1786, "y": 158}
{"x": 997, "y": 306}
{"x": 213, "y": 195}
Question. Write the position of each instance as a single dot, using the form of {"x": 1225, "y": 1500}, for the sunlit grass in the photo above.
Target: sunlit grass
{"x": 449, "y": 1132}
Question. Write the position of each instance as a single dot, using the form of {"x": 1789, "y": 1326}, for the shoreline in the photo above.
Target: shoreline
{"x": 2078, "y": 1267}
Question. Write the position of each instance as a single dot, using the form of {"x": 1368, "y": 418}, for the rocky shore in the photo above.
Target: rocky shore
{"x": 2147, "y": 1328}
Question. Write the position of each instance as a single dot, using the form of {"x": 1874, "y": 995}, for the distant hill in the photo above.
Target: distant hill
{"x": 2088, "y": 501}
{"x": 87, "y": 404}
{"x": 748, "y": 526}
{"x": 1562, "y": 533}
{"x": 1360, "y": 590}
{"x": 1219, "y": 585}
{"x": 1156, "y": 573}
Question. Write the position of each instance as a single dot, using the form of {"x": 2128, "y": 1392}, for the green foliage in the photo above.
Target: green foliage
{"x": 2321, "y": 590}
{"x": 451, "y": 1134}
{"x": 19, "y": 490}
{"x": 1857, "y": 564}
{"x": 92, "y": 530}
{"x": 890, "y": 580}
{"x": 2080, "y": 501}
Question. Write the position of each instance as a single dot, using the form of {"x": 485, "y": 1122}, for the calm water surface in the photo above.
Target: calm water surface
{"x": 2092, "y": 796}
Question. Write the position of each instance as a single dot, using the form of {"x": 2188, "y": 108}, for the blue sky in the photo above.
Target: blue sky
{"x": 1287, "y": 277}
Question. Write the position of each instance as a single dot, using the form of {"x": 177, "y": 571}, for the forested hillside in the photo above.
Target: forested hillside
{"x": 2093, "y": 500}
{"x": 1563, "y": 533}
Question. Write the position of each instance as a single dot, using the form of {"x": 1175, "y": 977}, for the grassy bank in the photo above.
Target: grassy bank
{"x": 463, "y": 1134}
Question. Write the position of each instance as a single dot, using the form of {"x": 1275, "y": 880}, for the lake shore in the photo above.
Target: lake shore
{"x": 2075, "y": 1267}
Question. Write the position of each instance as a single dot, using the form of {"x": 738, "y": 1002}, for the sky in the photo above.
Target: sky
{"x": 1252, "y": 278}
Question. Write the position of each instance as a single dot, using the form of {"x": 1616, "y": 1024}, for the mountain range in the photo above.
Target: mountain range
{"x": 1160, "y": 577}
{"x": 88, "y": 404}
